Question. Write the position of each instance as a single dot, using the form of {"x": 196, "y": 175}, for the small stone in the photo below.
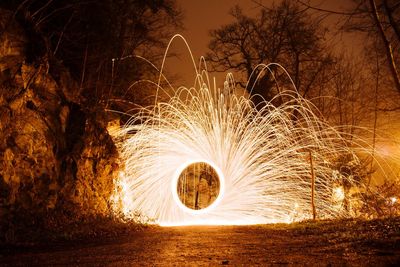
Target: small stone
{"x": 225, "y": 262}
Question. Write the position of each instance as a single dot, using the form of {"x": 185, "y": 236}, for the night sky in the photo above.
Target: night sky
{"x": 202, "y": 16}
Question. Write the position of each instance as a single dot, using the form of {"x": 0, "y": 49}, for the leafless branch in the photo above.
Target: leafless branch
{"x": 342, "y": 13}
{"x": 387, "y": 44}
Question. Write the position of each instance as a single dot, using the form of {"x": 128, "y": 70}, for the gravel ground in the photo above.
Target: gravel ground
{"x": 324, "y": 243}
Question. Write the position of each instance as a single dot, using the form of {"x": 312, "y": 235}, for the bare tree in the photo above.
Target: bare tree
{"x": 344, "y": 98}
{"x": 284, "y": 34}
{"x": 386, "y": 42}
{"x": 380, "y": 20}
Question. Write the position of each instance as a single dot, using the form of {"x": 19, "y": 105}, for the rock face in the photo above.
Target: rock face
{"x": 55, "y": 153}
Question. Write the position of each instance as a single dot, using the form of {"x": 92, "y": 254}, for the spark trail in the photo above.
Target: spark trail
{"x": 261, "y": 154}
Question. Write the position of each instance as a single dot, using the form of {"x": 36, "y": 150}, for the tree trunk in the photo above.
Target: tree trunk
{"x": 312, "y": 187}
{"x": 392, "y": 22}
{"x": 388, "y": 47}
{"x": 375, "y": 118}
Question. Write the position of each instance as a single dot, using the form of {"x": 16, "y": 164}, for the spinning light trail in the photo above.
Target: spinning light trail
{"x": 261, "y": 155}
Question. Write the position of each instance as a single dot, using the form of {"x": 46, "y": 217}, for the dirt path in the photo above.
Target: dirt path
{"x": 325, "y": 243}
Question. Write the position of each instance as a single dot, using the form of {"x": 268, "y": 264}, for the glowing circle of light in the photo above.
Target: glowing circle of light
{"x": 213, "y": 204}
{"x": 265, "y": 157}
{"x": 260, "y": 155}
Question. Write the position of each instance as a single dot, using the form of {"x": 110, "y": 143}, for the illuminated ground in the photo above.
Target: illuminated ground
{"x": 354, "y": 243}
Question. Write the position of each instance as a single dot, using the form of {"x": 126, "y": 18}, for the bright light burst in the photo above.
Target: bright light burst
{"x": 262, "y": 156}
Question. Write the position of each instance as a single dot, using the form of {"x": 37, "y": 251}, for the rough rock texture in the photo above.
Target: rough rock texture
{"x": 55, "y": 153}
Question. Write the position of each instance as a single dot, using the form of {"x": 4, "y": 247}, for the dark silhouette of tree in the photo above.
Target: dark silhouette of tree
{"x": 86, "y": 35}
{"x": 380, "y": 20}
{"x": 284, "y": 34}
{"x": 385, "y": 39}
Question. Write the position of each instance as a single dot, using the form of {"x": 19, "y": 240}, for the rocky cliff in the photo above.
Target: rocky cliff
{"x": 56, "y": 156}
